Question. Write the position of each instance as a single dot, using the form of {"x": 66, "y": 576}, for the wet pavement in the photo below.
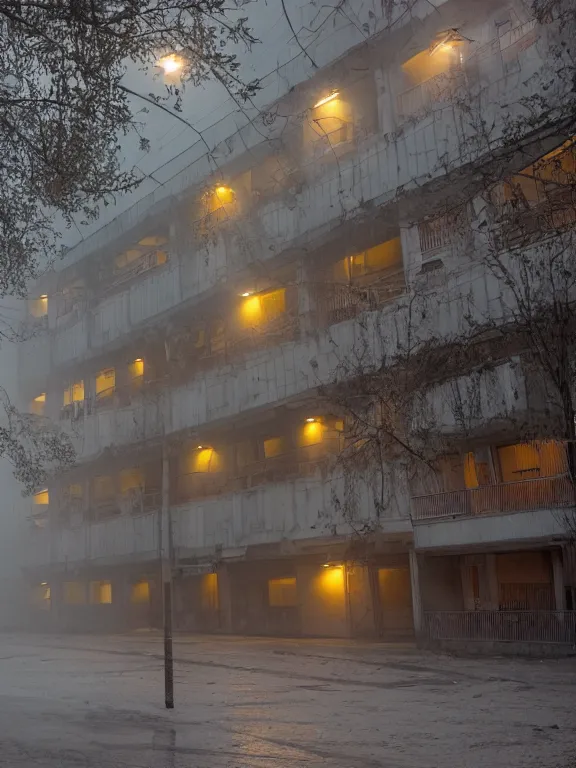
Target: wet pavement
{"x": 99, "y": 701}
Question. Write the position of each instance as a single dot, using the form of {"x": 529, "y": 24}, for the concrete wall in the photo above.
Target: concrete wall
{"x": 535, "y": 525}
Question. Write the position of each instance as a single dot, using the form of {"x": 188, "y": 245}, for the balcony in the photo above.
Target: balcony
{"x": 494, "y": 516}
{"x": 504, "y": 498}
{"x": 436, "y": 92}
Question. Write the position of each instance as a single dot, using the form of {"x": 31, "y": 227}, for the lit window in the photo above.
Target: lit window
{"x": 140, "y": 593}
{"x": 311, "y": 433}
{"x": 74, "y": 393}
{"x": 262, "y": 308}
{"x": 39, "y": 307}
{"x": 105, "y": 383}
{"x": 100, "y": 592}
{"x": 38, "y": 404}
{"x": 330, "y": 122}
{"x": 382, "y": 257}
{"x": 524, "y": 461}
{"x": 203, "y": 459}
{"x": 274, "y": 446}
{"x": 220, "y": 196}
{"x": 136, "y": 368}
{"x": 41, "y": 498}
{"x": 282, "y": 593}
{"x": 209, "y": 592}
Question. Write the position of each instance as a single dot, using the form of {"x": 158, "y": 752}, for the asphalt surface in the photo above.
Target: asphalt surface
{"x": 99, "y": 701}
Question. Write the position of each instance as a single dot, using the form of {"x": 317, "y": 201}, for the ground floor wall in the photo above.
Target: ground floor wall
{"x": 295, "y": 597}
{"x": 484, "y": 601}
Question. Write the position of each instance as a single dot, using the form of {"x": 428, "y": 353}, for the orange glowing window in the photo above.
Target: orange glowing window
{"x": 262, "y": 308}
{"x": 38, "y": 307}
{"x": 42, "y": 498}
{"x": 38, "y": 404}
{"x": 203, "y": 459}
{"x": 275, "y": 446}
{"x": 311, "y": 433}
{"x": 209, "y": 592}
{"x": 74, "y": 393}
{"x": 105, "y": 382}
{"x": 136, "y": 368}
{"x": 100, "y": 592}
{"x": 140, "y": 593}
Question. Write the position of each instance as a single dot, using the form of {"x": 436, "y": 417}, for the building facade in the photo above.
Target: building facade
{"x": 191, "y": 346}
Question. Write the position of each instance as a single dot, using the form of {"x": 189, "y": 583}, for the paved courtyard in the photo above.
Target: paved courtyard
{"x": 98, "y": 701}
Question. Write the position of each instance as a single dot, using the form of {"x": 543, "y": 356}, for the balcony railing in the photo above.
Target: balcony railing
{"x": 337, "y": 302}
{"x": 558, "y": 627}
{"x": 441, "y": 232}
{"x": 522, "y": 496}
{"x": 440, "y": 89}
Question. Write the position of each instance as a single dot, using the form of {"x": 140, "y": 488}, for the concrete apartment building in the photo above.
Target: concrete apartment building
{"x": 189, "y": 345}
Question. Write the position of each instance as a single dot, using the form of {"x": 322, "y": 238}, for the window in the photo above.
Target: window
{"x": 38, "y": 404}
{"x": 74, "y": 593}
{"x": 74, "y": 393}
{"x": 551, "y": 174}
{"x": 262, "y": 308}
{"x": 329, "y": 124}
{"x": 385, "y": 256}
{"x": 282, "y": 593}
{"x": 525, "y": 461}
{"x": 38, "y": 307}
{"x": 311, "y": 433}
{"x": 430, "y": 76}
{"x": 136, "y": 368}
{"x": 209, "y": 592}
{"x": 41, "y": 498}
{"x": 275, "y": 446}
{"x": 100, "y": 592}
{"x": 203, "y": 459}
{"x": 105, "y": 383}
{"x": 140, "y": 593}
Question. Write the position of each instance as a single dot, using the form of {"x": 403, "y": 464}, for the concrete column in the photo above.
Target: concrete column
{"x": 558, "y": 576}
{"x": 492, "y": 583}
{"x": 417, "y": 607}
{"x": 225, "y": 599}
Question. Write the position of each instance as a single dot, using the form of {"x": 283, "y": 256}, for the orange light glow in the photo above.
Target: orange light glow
{"x": 326, "y": 99}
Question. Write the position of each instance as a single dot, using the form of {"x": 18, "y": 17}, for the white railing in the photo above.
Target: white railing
{"x": 439, "y": 89}
{"x": 441, "y": 232}
{"x": 522, "y": 496}
{"x": 502, "y": 626}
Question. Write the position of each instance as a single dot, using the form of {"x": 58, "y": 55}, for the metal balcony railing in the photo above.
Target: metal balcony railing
{"x": 558, "y": 627}
{"x": 522, "y": 496}
{"x": 440, "y": 89}
{"x": 441, "y": 232}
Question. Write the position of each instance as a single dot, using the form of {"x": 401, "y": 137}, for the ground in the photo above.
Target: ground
{"x": 68, "y": 702}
